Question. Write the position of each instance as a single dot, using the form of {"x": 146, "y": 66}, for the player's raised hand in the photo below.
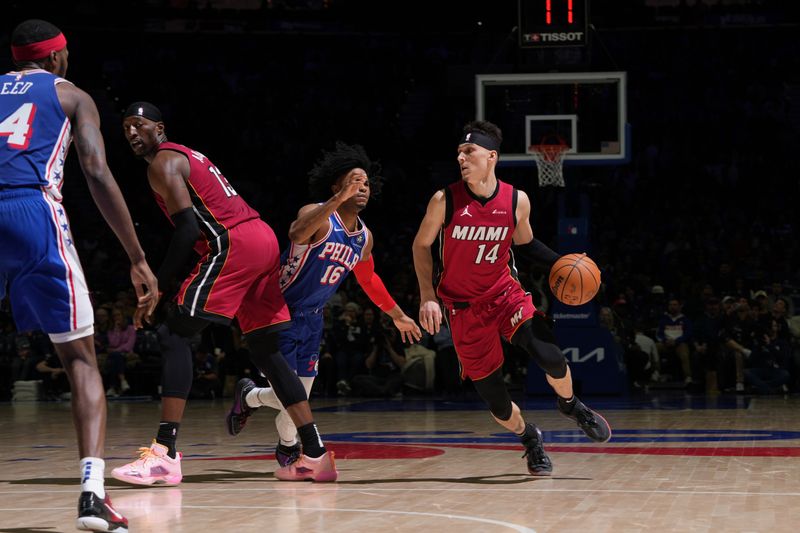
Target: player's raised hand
{"x": 146, "y": 286}
{"x": 430, "y": 316}
{"x": 352, "y": 183}
{"x": 409, "y": 330}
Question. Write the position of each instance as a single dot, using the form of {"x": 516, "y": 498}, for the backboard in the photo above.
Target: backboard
{"x": 587, "y": 109}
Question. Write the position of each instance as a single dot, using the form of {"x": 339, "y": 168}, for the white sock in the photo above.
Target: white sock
{"x": 92, "y": 474}
{"x": 283, "y": 422}
{"x": 251, "y": 399}
{"x": 286, "y": 429}
{"x": 263, "y": 397}
{"x": 268, "y": 398}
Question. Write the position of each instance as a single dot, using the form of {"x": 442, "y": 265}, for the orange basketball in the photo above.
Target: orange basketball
{"x": 574, "y": 279}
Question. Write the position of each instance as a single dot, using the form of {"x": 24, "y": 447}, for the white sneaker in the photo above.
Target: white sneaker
{"x": 112, "y": 392}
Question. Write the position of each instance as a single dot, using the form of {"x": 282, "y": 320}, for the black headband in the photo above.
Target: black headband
{"x": 143, "y": 109}
{"x": 481, "y": 139}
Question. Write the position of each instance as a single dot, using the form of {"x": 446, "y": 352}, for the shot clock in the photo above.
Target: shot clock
{"x": 553, "y": 23}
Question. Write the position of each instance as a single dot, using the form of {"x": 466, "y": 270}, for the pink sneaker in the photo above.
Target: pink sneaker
{"x": 322, "y": 468}
{"x": 153, "y": 467}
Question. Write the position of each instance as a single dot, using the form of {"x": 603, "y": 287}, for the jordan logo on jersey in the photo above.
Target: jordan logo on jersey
{"x": 466, "y": 212}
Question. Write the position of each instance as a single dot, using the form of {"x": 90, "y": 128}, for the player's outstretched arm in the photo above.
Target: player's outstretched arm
{"x": 409, "y": 330}
{"x": 104, "y": 189}
{"x": 312, "y": 218}
{"x": 430, "y": 312}
{"x": 376, "y": 291}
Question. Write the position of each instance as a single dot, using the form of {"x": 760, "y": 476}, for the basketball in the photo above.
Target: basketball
{"x": 574, "y": 279}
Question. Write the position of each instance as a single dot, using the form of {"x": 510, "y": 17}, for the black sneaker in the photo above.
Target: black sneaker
{"x": 286, "y": 455}
{"x": 95, "y": 514}
{"x": 240, "y": 412}
{"x": 538, "y": 462}
{"x": 594, "y": 425}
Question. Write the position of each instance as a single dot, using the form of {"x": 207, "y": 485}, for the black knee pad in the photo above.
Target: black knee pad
{"x": 266, "y": 356}
{"x": 176, "y": 363}
{"x": 542, "y": 327}
{"x": 536, "y": 337}
{"x": 493, "y": 390}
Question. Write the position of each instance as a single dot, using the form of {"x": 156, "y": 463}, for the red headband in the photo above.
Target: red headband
{"x": 31, "y": 51}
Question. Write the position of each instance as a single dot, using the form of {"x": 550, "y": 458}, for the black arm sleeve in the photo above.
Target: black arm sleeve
{"x": 538, "y": 252}
{"x": 180, "y": 247}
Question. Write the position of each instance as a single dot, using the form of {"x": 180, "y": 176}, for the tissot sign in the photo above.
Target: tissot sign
{"x": 573, "y": 37}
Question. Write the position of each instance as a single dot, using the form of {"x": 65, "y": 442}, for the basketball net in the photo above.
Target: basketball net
{"x": 550, "y": 160}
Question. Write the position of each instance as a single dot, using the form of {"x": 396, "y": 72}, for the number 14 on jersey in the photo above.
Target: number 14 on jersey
{"x": 491, "y": 256}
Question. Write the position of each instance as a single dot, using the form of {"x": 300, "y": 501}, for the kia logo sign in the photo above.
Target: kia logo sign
{"x": 573, "y": 354}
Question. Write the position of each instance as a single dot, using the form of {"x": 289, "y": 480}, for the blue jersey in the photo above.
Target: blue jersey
{"x": 34, "y": 131}
{"x": 39, "y": 265}
{"x": 311, "y": 273}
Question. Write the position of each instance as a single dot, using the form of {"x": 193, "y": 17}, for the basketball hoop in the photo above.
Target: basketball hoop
{"x": 550, "y": 160}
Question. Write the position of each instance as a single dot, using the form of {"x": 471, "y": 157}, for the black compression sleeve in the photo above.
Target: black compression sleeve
{"x": 180, "y": 247}
{"x": 537, "y": 251}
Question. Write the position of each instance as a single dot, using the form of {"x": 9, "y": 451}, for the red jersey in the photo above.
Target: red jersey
{"x": 215, "y": 203}
{"x": 475, "y": 243}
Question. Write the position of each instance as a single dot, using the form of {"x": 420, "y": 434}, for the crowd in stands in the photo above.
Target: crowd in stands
{"x": 709, "y": 344}
{"x": 696, "y": 236}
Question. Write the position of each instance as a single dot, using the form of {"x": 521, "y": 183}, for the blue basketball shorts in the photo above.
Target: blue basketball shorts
{"x": 299, "y": 344}
{"x": 39, "y": 267}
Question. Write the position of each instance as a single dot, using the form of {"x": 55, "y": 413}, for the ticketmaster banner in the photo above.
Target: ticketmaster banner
{"x": 574, "y": 316}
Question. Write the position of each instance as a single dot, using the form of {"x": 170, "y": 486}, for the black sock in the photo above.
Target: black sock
{"x": 528, "y": 433}
{"x": 567, "y": 405}
{"x": 312, "y": 442}
{"x": 167, "y": 435}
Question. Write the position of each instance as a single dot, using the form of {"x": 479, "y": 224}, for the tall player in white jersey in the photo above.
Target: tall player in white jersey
{"x": 40, "y": 112}
{"x": 329, "y": 240}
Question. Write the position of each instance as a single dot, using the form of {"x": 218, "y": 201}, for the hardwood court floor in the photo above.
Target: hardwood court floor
{"x": 677, "y": 464}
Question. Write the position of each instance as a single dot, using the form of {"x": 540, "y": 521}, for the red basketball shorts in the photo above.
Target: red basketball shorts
{"x": 477, "y": 329}
{"x": 238, "y": 278}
